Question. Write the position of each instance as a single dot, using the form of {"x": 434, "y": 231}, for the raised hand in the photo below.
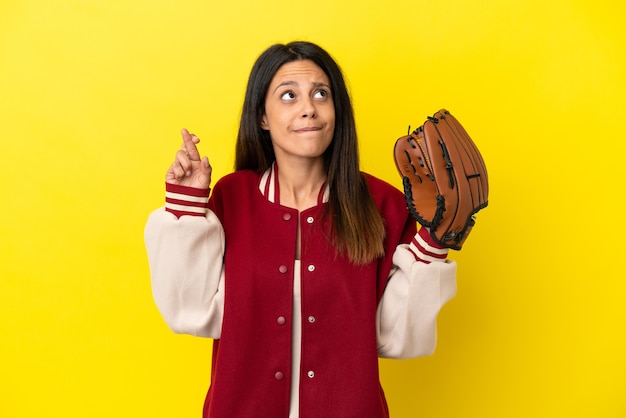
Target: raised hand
{"x": 188, "y": 168}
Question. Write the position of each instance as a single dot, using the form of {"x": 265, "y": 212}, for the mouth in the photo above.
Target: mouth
{"x": 308, "y": 129}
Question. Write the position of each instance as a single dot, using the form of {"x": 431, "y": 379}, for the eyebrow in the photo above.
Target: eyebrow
{"x": 293, "y": 83}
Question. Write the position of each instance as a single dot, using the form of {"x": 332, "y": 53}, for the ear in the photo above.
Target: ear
{"x": 264, "y": 124}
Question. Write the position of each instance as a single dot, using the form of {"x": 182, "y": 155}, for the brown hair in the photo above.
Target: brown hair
{"x": 357, "y": 228}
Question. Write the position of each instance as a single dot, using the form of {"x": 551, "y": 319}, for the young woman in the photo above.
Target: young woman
{"x": 302, "y": 268}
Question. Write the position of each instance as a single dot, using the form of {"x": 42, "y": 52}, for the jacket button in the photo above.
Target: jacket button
{"x": 311, "y": 319}
{"x": 310, "y": 219}
{"x": 287, "y": 216}
{"x": 279, "y": 375}
{"x": 311, "y": 374}
{"x": 281, "y": 320}
{"x": 282, "y": 269}
{"x": 311, "y": 267}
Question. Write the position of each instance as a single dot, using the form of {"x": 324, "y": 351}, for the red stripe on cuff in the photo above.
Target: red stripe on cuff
{"x": 172, "y": 201}
{"x": 424, "y": 248}
{"x": 424, "y": 233}
{"x": 417, "y": 257}
{"x": 190, "y": 191}
{"x": 425, "y": 251}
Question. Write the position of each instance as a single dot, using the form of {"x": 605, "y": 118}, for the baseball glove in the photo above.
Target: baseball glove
{"x": 444, "y": 178}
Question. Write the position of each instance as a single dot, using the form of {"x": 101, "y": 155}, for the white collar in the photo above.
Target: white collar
{"x": 268, "y": 186}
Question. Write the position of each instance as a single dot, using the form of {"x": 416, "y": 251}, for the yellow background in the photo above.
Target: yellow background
{"x": 93, "y": 95}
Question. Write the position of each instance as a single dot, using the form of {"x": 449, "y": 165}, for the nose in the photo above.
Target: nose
{"x": 308, "y": 109}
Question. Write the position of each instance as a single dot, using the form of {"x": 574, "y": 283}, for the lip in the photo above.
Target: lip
{"x": 308, "y": 129}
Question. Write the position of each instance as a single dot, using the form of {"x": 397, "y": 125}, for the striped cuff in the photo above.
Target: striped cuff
{"x": 185, "y": 200}
{"x": 425, "y": 249}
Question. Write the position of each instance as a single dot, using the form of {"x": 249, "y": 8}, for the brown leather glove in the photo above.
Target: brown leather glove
{"x": 444, "y": 177}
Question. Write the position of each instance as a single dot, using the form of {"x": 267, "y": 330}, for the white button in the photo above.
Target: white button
{"x": 279, "y": 375}
{"x": 310, "y": 219}
{"x": 311, "y": 267}
{"x": 311, "y": 319}
{"x": 311, "y": 374}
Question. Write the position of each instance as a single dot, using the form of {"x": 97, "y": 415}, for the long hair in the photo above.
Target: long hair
{"x": 357, "y": 228}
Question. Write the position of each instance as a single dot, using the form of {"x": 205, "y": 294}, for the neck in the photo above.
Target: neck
{"x": 300, "y": 182}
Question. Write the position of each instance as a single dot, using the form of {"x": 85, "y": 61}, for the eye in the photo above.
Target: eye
{"x": 288, "y": 95}
{"x": 321, "y": 94}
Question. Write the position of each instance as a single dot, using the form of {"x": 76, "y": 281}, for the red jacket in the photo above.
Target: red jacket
{"x": 252, "y": 360}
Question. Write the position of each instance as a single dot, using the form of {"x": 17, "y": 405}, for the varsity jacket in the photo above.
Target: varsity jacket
{"x": 223, "y": 268}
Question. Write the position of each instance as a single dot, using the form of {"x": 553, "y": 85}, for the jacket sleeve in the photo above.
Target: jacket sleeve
{"x": 421, "y": 282}
{"x": 185, "y": 247}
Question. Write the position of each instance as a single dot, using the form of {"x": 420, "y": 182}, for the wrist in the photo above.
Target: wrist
{"x": 425, "y": 248}
{"x": 185, "y": 200}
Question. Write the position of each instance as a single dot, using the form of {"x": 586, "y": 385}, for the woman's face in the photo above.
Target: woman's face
{"x": 299, "y": 111}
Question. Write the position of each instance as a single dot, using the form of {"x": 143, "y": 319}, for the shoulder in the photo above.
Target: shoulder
{"x": 389, "y": 200}
{"x": 241, "y": 176}
{"x": 238, "y": 177}
{"x": 383, "y": 191}
{"x": 233, "y": 191}
{"x": 392, "y": 206}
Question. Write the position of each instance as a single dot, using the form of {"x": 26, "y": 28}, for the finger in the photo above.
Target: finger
{"x": 204, "y": 178}
{"x": 189, "y": 145}
{"x": 206, "y": 167}
{"x": 194, "y": 138}
{"x": 206, "y": 164}
{"x": 175, "y": 172}
{"x": 183, "y": 161}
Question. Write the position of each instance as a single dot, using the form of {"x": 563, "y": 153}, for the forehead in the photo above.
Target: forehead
{"x": 300, "y": 71}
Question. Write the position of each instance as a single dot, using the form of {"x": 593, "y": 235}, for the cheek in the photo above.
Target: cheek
{"x": 277, "y": 119}
{"x": 331, "y": 115}
{"x": 331, "y": 121}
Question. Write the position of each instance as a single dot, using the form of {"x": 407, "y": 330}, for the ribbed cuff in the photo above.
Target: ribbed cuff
{"x": 185, "y": 200}
{"x": 425, "y": 249}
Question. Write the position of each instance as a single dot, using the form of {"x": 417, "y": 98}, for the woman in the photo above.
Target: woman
{"x": 303, "y": 269}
